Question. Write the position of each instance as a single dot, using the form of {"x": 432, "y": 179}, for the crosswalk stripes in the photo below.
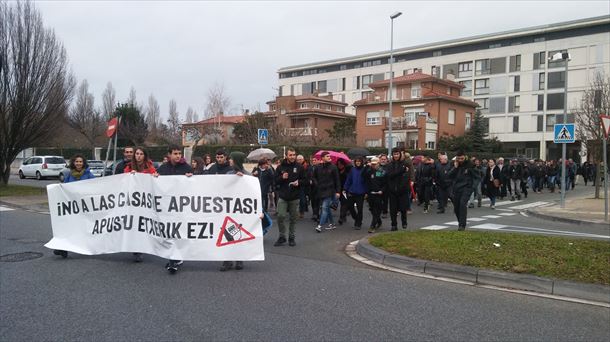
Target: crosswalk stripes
{"x": 434, "y": 227}
{"x": 476, "y": 219}
{"x": 492, "y": 216}
{"x": 508, "y": 214}
{"x": 529, "y": 205}
{"x": 3, "y": 208}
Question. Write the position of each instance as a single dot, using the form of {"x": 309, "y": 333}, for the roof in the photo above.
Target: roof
{"x": 220, "y": 119}
{"x": 320, "y": 112}
{"x": 429, "y": 95}
{"x": 311, "y": 97}
{"x": 414, "y": 77}
{"x": 573, "y": 24}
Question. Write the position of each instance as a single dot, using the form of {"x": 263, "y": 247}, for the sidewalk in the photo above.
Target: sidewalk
{"x": 38, "y": 203}
{"x": 584, "y": 209}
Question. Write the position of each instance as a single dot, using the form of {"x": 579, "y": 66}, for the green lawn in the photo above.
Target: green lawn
{"x": 21, "y": 190}
{"x": 556, "y": 257}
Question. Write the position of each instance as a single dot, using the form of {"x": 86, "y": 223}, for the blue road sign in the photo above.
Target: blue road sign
{"x": 564, "y": 133}
{"x": 263, "y": 136}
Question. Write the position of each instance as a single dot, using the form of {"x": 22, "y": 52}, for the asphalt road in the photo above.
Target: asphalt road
{"x": 14, "y": 179}
{"x": 309, "y": 292}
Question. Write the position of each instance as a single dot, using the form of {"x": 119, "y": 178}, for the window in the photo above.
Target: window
{"x": 554, "y": 101}
{"x": 366, "y": 79}
{"x": 497, "y": 105}
{"x": 431, "y": 145}
{"x": 514, "y": 104}
{"x": 539, "y": 60}
{"x": 343, "y": 67}
{"x": 372, "y": 143}
{"x": 498, "y": 65}
{"x": 514, "y": 63}
{"x": 467, "y": 90}
{"x": 367, "y": 64}
{"x": 550, "y": 122}
{"x": 322, "y": 86}
{"x": 377, "y": 62}
{"x": 496, "y": 45}
{"x": 468, "y": 121}
{"x": 342, "y": 84}
{"x": 556, "y": 64}
{"x": 373, "y": 119}
{"x": 540, "y": 102}
{"x": 482, "y": 67}
{"x": 303, "y": 105}
{"x": 557, "y": 80}
{"x": 437, "y": 53}
{"x": 539, "y": 123}
{"x": 517, "y": 83}
{"x": 415, "y": 91}
{"x": 357, "y": 82}
{"x": 515, "y": 124}
{"x": 481, "y": 87}
{"x": 465, "y": 69}
{"x": 541, "y": 81}
{"x": 451, "y": 117}
{"x": 483, "y": 104}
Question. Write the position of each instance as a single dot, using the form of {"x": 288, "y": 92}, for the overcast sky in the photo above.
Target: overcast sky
{"x": 180, "y": 49}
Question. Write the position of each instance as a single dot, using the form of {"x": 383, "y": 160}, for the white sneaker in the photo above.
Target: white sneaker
{"x": 330, "y": 226}
{"x": 319, "y": 229}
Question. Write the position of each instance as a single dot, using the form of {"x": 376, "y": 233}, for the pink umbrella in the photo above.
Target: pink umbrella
{"x": 334, "y": 156}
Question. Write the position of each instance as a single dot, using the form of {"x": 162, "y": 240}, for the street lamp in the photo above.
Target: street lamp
{"x": 563, "y": 56}
{"x": 390, "y": 138}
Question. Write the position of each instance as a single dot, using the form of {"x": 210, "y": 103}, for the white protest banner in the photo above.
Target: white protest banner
{"x": 215, "y": 217}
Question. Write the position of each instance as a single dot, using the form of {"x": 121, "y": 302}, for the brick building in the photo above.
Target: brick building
{"x": 306, "y": 118}
{"x": 218, "y": 129}
{"x": 424, "y": 109}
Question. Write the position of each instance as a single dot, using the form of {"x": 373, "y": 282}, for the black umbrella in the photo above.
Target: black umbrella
{"x": 358, "y": 152}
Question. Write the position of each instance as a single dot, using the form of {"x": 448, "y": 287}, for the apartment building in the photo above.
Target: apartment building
{"x": 507, "y": 73}
{"x": 218, "y": 129}
{"x": 425, "y": 108}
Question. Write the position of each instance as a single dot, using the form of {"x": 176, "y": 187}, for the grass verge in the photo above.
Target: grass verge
{"x": 547, "y": 256}
{"x": 21, "y": 190}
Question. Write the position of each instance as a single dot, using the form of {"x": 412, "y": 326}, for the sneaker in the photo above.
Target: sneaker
{"x": 137, "y": 257}
{"x": 471, "y": 205}
{"x": 492, "y": 207}
{"x": 172, "y": 266}
{"x": 425, "y": 210}
{"x": 330, "y": 226}
{"x": 226, "y": 265}
{"x": 319, "y": 229}
{"x": 280, "y": 241}
{"x": 239, "y": 265}
{"x": 64, "y": 254}
{"x": 291, "y": 242}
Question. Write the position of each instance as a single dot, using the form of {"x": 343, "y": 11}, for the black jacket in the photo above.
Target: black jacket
{"x": 515, "y": 171}
{"x": 169, "y": 169}
{"x": 442, "y": 175}
{"x": 120, "y": 166}
{"x": 219, "y": 169}
{"x": 375, "y": 179}
{"x": 326, "y": 180}
{"x": 265, "y": 177}
{"x": 398, "y": 179}
{"x": 463, "y": 178}
{"x": 295, "y": 172}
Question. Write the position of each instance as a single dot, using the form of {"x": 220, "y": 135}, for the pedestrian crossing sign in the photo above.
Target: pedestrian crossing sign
{"x": 564, "y": 133}
{"x": 263, "y": 136}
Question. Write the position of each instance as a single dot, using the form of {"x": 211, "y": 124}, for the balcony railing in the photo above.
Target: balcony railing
{"x": 299, "y": 132}
{"x": 400, "y": 123}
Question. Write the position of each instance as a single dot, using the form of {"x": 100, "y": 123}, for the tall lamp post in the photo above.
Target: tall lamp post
{"x": 390, "y": 137}
{"x": 563, "y": 56}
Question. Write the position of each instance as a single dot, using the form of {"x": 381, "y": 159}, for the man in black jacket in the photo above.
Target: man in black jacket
{"x": 463, "y": 178}
{"x": 222, "y": 166}
{"x": 176, "y": 166}
{"x": 397, "y": 173}
{"x": 443, "y": 183}
{"x": 289, "y": 176}
{"x": 374, "y": 177}
{"x": 127, "y": 157}
{"x": 515, "y": 172}
{"x": 326, "y": 179}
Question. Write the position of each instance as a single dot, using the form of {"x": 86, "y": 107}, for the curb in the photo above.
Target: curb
{"x": 540, "y": 215}
{"x": 32, "y": 209}
{"x": 523, "y": 283}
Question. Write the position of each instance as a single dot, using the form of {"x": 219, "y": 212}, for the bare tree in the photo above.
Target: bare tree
{"x": 173, "y": 123}
{"x": 153, "y": 114}
{"x": 217, "y": 101}
{"x": 36, "y": 85}
{"x": 132, "y": 100}
{"x": 108, "y": 101}
{"x": 195, "y": 117}
{"x": 189, "y": 115}
{"x": 83, "y": 116}
{"x": 595, "y": 101}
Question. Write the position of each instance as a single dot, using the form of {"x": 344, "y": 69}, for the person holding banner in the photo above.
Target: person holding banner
{"x": 221, "y": 167}
{"x": 127, "y": 156}
{"x": 175, "y": 166}
{"x": 140, "y": 164}
{"x": 78, "y": 170}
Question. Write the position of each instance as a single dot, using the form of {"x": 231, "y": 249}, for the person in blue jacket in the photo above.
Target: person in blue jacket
{"x": 78, "y": 171}
{"x": 354, "y": 189}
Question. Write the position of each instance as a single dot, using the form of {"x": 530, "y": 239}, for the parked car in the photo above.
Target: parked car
{"x": 41, "y": 167}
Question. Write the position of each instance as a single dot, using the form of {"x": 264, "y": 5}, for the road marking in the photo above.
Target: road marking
{"x": 491, "y": 226}
{"x": 434, "y": 227}
{"x": 476, "y": 219}
{"x": 504, "y": 209}
{"x": 2, "y": 208}
{"x": 530, "y": 205}
{"x": 508, "y": 214}
{"x": 506, "y": 202}
{"x": 452, "y": 223}
{"x": 492, "y": 216}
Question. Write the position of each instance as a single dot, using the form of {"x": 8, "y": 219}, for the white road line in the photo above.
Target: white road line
{"x": 504, "y": 209}
{"x": 2, "y": 208}
{"x": 476, "y": 219}
{"x": 492, "y": 216}
{"x": 508, "y": 214}
{"x": 529, "y": 205}
{"x": 452, "y": 223}
{"x": 434, "y": 227}
{"x": 491, "y": 226}
{"x": 506, "y": 202}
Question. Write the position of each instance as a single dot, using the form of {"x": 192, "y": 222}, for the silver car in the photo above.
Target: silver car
{"x": 41, "y": 167}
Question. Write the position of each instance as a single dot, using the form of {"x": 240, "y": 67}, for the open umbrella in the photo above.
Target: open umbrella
{"x": 261, "y": 153}
{"x": 358, "y": 152}
{"x": 334, "y": 156}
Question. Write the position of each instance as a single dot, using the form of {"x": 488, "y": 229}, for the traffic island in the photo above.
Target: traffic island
{"x": 24, "y": 197}
{"x": 557, "y": 266}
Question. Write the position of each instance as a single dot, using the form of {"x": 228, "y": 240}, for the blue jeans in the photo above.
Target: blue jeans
{"x": 326, "y": 215}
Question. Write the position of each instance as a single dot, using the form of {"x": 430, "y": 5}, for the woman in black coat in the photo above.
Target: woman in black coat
{"x": 492, "y": 182}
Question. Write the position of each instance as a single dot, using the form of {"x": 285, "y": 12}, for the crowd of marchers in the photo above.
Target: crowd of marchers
{"x": 329, "y": 186}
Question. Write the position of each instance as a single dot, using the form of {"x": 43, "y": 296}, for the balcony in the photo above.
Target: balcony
{"x": 301, "y": 132}
{"x": 400, "y": 123}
